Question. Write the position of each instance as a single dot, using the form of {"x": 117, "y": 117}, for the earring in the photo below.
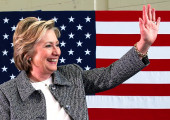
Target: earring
{"x": 30, "y": 59}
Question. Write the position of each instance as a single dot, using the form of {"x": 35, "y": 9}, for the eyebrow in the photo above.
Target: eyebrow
{"x": 52, "y": 42}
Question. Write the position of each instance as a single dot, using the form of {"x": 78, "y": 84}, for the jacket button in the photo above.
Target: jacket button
{"x": 67, "y": 107}
{"x": 53, "y": 88}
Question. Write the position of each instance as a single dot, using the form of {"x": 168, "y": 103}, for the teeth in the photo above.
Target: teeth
{"x": 52, "y": 60}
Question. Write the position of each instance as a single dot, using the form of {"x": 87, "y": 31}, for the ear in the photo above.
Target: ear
{"x": 30, "y": 59}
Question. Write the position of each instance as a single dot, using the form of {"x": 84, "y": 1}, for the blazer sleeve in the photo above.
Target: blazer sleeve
{"x": 4, "y": 107}
{"x": 101, "y": 79}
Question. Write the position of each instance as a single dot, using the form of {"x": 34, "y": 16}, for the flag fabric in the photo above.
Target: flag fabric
{"x": 97, "y": 39}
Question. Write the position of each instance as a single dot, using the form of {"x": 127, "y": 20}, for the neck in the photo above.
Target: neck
{"x": 38, "y": 76}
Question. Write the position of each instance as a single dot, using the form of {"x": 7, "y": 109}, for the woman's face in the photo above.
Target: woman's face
{"x": 46, "y": 53}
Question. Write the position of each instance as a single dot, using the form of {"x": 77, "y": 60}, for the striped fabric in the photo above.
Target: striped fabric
{"x": 145, "y": 96}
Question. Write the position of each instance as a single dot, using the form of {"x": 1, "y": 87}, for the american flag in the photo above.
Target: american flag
{"x": 96, "y": 39}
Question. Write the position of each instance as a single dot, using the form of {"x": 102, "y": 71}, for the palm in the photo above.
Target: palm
{"x": 148, "y": 27}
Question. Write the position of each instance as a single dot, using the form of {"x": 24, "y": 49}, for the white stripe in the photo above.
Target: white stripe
{"x": 147, "y": 77}
{"x": 116, "y": 52}
{"x": 126, "y": 28}
{"x": 145, "y": 102}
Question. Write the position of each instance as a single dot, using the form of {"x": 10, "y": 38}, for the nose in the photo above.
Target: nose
{"x": 56, "y": 51}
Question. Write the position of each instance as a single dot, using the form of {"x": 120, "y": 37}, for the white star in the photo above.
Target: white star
{"x": 55, "y": 19}
{"x": 21, "y": 18}
{"x": 63, "y": 27}
{"x": 6, "y": 20}
{"x": 12, "y": 76}
{"x": 62, "y": 60}
{"x": 5, "y": 52}
{"x": 71, "y": 19}
{"x": 87, "y": 35}
{"x": 71, "y": 52}
{"x": 13, "y": 28}
{"x": 79, "y": 27}
{"x": 62, "y": 44}
{"x": 6, "y": 36}
{"x": 79, "y": 43}
{"x": 71, "y": 35}
{"x": 39, "y": 18}
{"x": 87, "y": 67}
{"x": 4, "y": 69}
{"x": 12, "y": 45}
{"x": 79, "y": 60}
{"x": 87, "y": 52}
{"x": 87, "y": 19}
{"x": 12, "y": 60}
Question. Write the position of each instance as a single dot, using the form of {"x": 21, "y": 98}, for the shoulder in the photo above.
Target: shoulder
{"x": 68, "y": 67}
{"x": 8, "y": 87}
{"x": 8, "y": 84}
{"x": 70, "y": 70}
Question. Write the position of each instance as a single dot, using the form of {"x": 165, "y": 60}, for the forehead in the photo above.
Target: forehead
{"x": 49, "y": 36}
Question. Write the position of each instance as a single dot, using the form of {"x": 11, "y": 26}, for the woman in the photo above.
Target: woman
{"x": 46, "y": 91}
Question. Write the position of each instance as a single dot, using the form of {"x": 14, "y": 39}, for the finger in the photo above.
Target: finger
{"x": 149, "y": 12}
{"x": 158, "y": 22}
{"x": 141, "y": 24}
{"x": 153, "y": 15}
{"x": 145, "y": 16}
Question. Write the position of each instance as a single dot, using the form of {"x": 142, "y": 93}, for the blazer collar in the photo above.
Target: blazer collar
{"x": 25, "y": 88}
{"x": 59, "y": 79}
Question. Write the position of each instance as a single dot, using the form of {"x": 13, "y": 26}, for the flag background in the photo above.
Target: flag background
{"x": 102, "y": 38}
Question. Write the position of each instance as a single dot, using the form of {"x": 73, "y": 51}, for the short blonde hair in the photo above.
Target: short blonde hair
{"x": 28, "y": 33}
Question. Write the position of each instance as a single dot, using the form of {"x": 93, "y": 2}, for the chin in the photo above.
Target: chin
{"x": 53, "y": 69}
{"x": 50, "y": 69}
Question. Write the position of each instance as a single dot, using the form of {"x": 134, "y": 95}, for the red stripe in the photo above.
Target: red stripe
{"x": 139, "y": 90}
{"x": 128, "y": 114}
{"x": 127, "y": 15}
{"x": 128, "y": 39}
{"x": 155, "y": 64}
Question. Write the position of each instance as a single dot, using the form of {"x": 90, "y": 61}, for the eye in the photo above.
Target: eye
{"x": 48, "y": 46}
{"x": 57, "y": 45}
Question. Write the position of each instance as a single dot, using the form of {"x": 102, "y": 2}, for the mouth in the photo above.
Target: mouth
{"x": 52, "y": 60}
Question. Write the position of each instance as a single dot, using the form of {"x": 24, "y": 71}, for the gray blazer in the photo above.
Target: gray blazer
{"x": 20, "y": 101}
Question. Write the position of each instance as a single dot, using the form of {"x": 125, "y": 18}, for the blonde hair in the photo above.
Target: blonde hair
{"x": 27, "y": 34}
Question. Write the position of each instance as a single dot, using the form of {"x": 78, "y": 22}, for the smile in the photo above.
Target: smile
{"x": 52, "y": 60}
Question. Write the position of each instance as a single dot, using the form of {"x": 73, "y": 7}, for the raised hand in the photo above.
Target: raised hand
{"x": 148, "y": 29}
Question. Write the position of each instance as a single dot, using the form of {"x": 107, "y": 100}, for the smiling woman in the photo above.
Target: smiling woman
{"x": 45, "y": 58}
{"x": 28, "y": 33}
{"x": 46, "y": 91}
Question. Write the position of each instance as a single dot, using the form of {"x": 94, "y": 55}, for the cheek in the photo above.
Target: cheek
{"x": 40, "y": 57}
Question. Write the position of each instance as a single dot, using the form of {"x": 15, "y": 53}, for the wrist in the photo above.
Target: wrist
{"x": 141, "y": 55}
{"x": 143, "y": 46}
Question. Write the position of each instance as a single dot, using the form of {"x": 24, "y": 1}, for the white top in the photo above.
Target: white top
{"x": 54, "y": 111}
